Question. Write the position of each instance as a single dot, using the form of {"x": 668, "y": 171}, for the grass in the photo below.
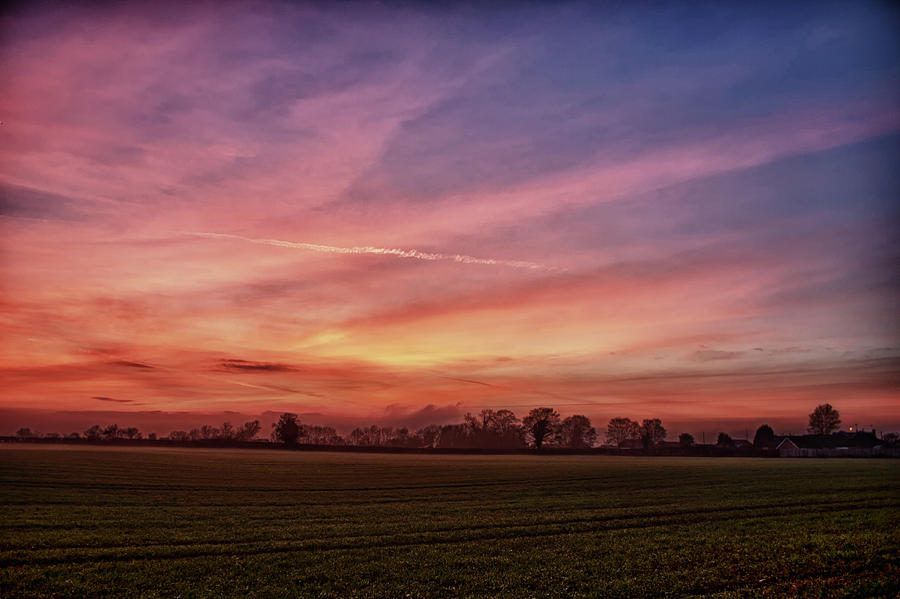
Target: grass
{"x": 84, "y": 521}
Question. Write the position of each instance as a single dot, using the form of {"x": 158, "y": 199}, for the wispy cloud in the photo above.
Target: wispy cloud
{"x": 246, "y": 365}
{"x": 130, "y": 364}
{"x": 99, "y": 398}
{"x": 400, "y": 253}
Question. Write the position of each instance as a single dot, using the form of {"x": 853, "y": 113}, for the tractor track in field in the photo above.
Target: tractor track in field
{"x": 115, "y": 486}
{"x": 229, "y": 548}
{"x": 650, "y": 511}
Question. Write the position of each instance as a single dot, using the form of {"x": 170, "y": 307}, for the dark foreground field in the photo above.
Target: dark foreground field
{"x": 209, "y": 523}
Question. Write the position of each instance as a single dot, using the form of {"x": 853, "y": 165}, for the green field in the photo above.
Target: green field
{"x": 85, "y": 521}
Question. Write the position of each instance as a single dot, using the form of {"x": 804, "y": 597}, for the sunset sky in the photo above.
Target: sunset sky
{"x": 397, "y": 214}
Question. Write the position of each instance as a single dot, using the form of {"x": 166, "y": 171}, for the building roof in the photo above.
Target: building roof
{"x": 832, "y": 441}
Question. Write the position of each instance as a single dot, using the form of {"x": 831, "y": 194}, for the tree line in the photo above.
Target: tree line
{"x": 488, "y": 429}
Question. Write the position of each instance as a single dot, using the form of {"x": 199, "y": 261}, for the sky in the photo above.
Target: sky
{"x": 398, "y": 213}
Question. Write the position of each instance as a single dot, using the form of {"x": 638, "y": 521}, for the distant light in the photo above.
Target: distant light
{"x": 851, "y": 429}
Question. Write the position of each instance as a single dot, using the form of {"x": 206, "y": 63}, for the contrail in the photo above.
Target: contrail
{"x": 331, "y": 249}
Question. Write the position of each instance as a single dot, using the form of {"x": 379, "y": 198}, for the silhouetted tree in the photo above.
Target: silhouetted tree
{"x": 502, "y": 422}
{"x": 320, "y": 435}
{"x": 400, "y": 438}
{"x": 429, "y": 435}
{"x": 247, "y": 431}
{"x": 194, "y": 434}
{"x": 24, "y": 433}
{"x": 209, "y": 432}
{"x": 287, "y": 429}
{"x": 764, "y": 436}
{"x": 686, "y": 439}
{"x": 51, "y": 436}
{"x": 180, "y": 436}
{"x": 151, "y": 436}
{"x": 93, "y": 433}
{"x": 577, "y": 432}
{"x": 332, "y": 438}
{"x": 485, "y": 416}
{"x": 471, "y": 424}
{"x": 74, "y": 436}
{"x": 620, "y": 430}
{"x": 824, "y": 419}
{"x": 357, "y": 436}
{"x": 454, "y": 435}
{"x": 111, "y": 432}
{"x": 132, "y": 433}
{"x": 541, "y": 425}
{"x": 724, "y": 440}
{"x": 374, "y": 436}
{"x": 490, "y": 429}
{"x": 228, "y": 433}
{"x": 507, "y": 430}
{"x": 652, "y": 432}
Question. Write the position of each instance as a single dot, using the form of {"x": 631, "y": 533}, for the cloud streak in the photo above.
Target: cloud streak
{"x": 400, "y": 253}
{"x": 99, "y": 398}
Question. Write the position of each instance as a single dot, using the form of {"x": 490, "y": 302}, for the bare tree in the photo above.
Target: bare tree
{"x": 473, "y": 425}
{"x": 371, "y": 436}
{"x": 541, "y": 425}
{"x": 400, "y": 438}
{"x": 321, "y": 435}
{"x": 504, "y": 422}
{"x": 93, "y": 433}
{"x": 577, "y": 432}
{"x": 228, "y": 433}
{"x": 430, "y": 435}
{"x": 248, "y": 430}
{"x": 620, "y": 430}
{"x": 652, "y": 432}
{"x": 490, "y": 429}
{"x": 487, "y": 417}
{"x": 357, "y": 437}
{"x": 454, "y": 435}
{"x": 824, "y": 419}
{"x": 111, "y": 432}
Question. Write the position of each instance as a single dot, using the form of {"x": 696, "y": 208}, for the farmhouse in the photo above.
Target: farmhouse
{"x": 842, "y": 443}
{"x": 787, "y": 448}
